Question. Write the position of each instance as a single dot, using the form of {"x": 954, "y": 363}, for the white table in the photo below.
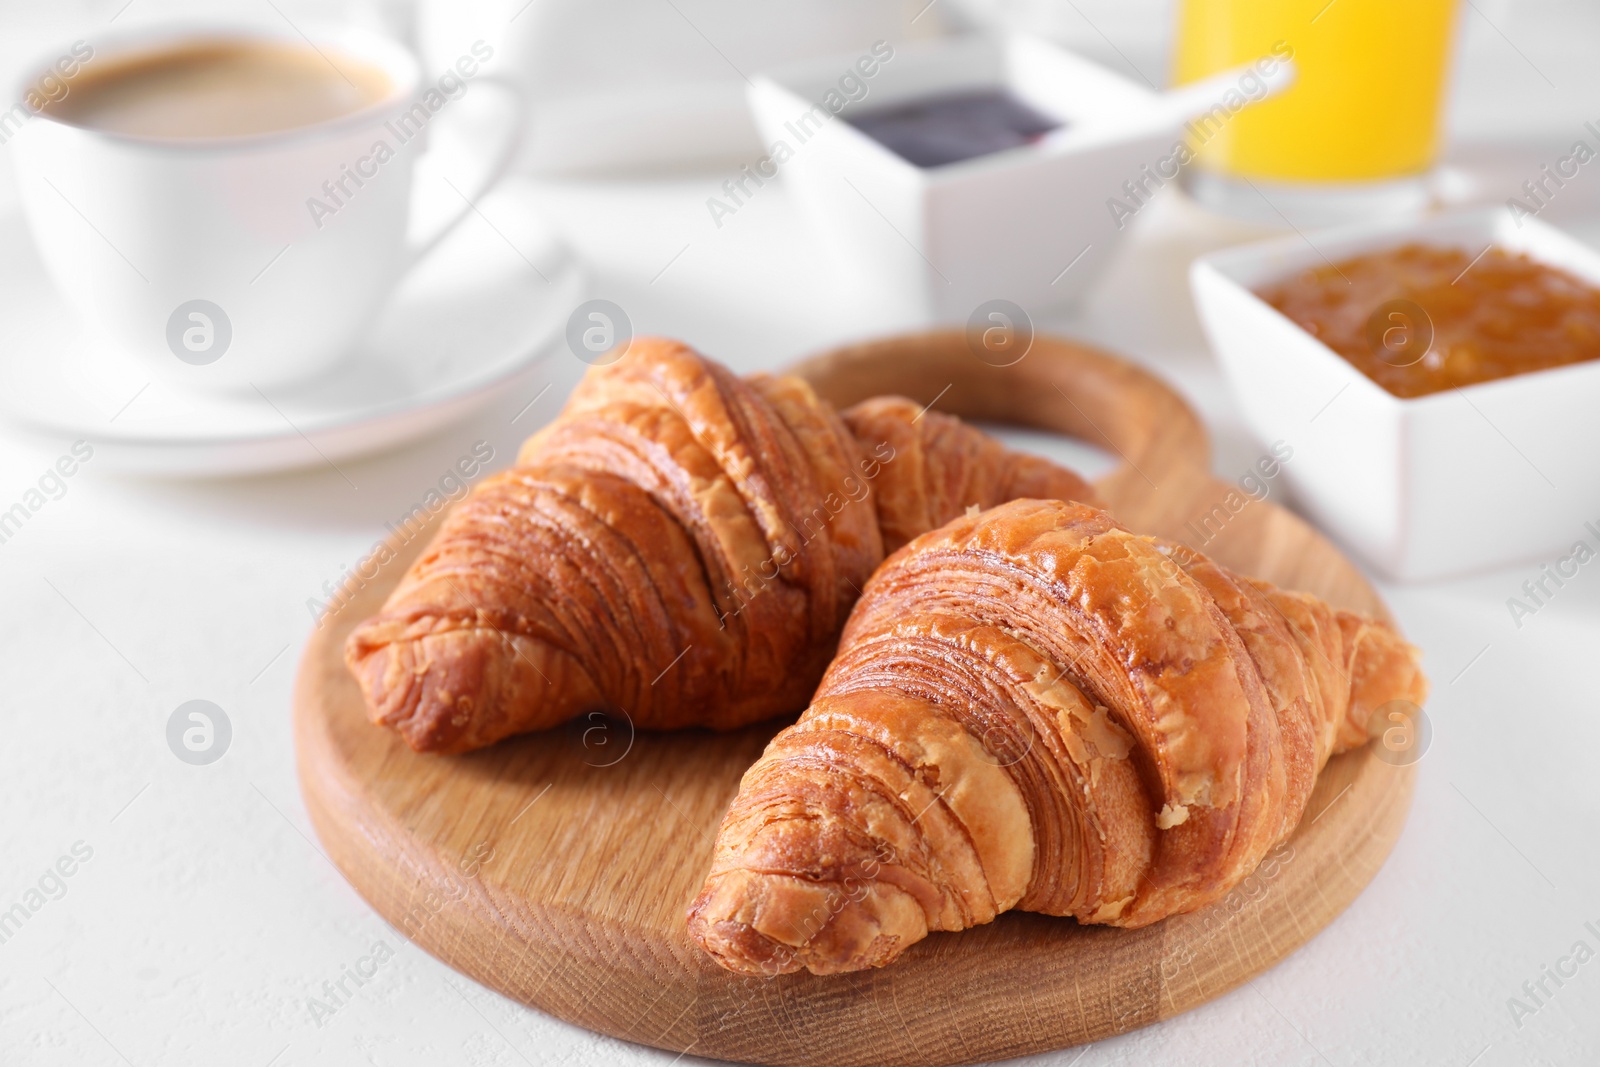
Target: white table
{"x": 206, "y": 918}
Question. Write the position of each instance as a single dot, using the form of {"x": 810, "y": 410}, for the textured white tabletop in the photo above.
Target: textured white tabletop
{"x": 199, "y": 923}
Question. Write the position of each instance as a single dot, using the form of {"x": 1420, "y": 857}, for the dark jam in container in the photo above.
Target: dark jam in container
{"x": 1422, "y": 319}
{"x": 935, "y": 130}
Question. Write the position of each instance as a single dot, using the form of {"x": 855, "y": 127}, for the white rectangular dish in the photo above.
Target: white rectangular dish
{"x": 1008, "y": 225}
{"x": 1425, "y": 487}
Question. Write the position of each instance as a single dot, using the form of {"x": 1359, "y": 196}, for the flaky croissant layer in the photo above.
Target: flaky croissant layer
{"x": 1034, "y": 708}
{"x": 681, "y": 545}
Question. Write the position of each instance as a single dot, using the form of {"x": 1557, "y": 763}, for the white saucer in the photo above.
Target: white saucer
{"x": 471, "y": 321}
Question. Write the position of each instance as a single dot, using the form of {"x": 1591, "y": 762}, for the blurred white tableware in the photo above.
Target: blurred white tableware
{"x": 1421, "y": 487}
{"x": 633, "y": 84}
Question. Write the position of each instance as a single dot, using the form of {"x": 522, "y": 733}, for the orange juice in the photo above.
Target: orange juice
{"x": 1365, "y": 102}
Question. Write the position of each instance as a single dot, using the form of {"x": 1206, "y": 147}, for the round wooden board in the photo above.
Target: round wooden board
{"x": 556, "y": 867}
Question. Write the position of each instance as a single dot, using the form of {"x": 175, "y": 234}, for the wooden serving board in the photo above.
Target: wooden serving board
{"x": 556, "y": 867}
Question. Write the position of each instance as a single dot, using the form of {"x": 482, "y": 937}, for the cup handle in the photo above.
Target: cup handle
{"x": 499, "y": 163}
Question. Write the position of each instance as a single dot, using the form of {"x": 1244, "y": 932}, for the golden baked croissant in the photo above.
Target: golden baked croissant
{"x": 1034, "y": 708}
{"x": 680, "y": 543}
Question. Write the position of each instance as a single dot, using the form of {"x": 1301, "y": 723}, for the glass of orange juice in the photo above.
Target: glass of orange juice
{"x": 1356, "y": 134}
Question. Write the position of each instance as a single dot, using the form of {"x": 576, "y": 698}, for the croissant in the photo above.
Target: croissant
{"x": 1034, "y": 708}
{"x": 680, "y": 543}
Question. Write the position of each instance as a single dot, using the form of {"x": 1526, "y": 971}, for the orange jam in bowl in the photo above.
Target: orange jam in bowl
{"x": 1423, "y": 319}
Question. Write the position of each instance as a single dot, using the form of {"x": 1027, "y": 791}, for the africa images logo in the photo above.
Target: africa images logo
{"x": 199, "y": 332}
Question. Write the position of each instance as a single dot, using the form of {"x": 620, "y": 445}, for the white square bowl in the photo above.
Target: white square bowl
{"x": 1420, "y": 488}
{"x": 940, "y": 241}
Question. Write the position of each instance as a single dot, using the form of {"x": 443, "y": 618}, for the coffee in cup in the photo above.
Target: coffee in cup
{"x": 219, "y": 88}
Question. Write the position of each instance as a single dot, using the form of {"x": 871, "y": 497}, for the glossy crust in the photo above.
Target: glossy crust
{"x": 681, "y": 545}
{"x": 1034, "y": 708}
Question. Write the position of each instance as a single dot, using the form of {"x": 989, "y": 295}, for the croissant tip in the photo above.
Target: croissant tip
{"x": 740, "y": 948}
{"x": 751, "y": 922}
{"x": 397, "y": 696}
{"x": 737, "y": 948}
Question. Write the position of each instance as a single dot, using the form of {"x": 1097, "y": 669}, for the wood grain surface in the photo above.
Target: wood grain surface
{"x": 556, "y": 867}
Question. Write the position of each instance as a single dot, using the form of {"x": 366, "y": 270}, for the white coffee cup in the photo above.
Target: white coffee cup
{"x": 248, "y": 262}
